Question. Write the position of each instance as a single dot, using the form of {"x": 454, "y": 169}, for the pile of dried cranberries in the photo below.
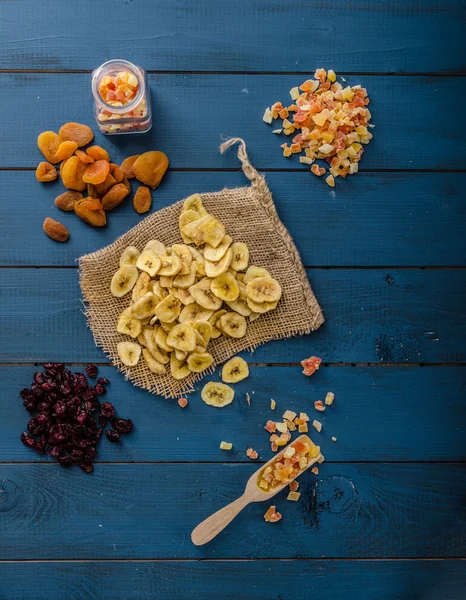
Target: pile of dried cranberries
{"x": 69, "y": 419}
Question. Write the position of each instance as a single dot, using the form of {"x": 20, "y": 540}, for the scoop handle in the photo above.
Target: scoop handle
{"x": 217, "y": 522}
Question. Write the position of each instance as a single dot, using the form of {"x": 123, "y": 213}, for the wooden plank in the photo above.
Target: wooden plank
{"x": 209, "y": 36}
{"x": 241, "y": 580}
{"x": 404, "y": 219}
{"x": 422, "y": 411}
{"x": 373, "y": 315}
{"x": 216, "y": 107}
{"x": 149, "y": 511}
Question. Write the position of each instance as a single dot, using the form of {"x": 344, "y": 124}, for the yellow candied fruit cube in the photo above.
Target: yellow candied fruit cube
{"x": 288, "y": 131}
{"x": 347, "y": 94}
{"x": 268, "y": 117}
{"x": 289, "y": 415}
{"x": 291, "y": 426}
{"x": 303, "y": 462}
{"x": 296, "y": 148}
{"x": 326, "y": 148}
{"x": 277, "y": 131}
{"x": 132, "y": 80}
{"x": 286, "y": 124}
{"x": 321, "y": 459}
{"x": 281, "y": 427}
{"x": 226, "y": 445}
{"x": 263, "y": 484}
{"x": 314, "y": 451}
{"x": 267, "y": 470}
{"x": 353, "y": 168}
{"x": 330, "y": 180}
{"x": 361, "y": 130}
{"x": 289, "y": 452}
{"x": 287, "y": 152}
{"x": 293, "y": 496}
{"x": 273, "y": 404}
{"x": 349, "y": 151}
{"x": 303, "y": 428}
{"x": 306, "y": 160}
{"x": 328, "y": 137}
{"x": 294, "y": 93}
{"x": 317, "y": 425}
{"x": 319, "y": 119}
{"x": 329, "y": 398}
{"x": 303, "y": 417}
{"x": 331, "y": 76}
{"x": 283, "y": 439}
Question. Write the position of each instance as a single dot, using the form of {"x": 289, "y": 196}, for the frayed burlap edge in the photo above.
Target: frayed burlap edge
{"x": 290, "y": 318}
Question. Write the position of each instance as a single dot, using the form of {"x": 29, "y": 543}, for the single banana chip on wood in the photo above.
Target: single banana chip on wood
{"x": 236, "y": 369}
{"x": 217, "y": 394}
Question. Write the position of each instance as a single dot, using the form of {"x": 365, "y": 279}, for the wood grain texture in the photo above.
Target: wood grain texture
{"x": 390, "y": 316}
{"x": 379, "y": 414}
{"x": 401, "y": 219}
{"x": 363, "y": 35}
{"x": 241, "y": 580}
{"x": 406, "y": 112}
{"x": 149, "y": 511}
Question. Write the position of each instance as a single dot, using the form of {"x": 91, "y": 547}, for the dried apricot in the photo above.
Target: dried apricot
{"x": 127, "y": 166}
{"x": 49, "y": 142}
{"x": 65, "y": 150}
{"x": 127, "y": 183}
{"x": 96, "y": 172}
{"x": 66, "y": 200}
{"x": 92, "y": 191}
{"x": 55, "y": 230}
{"x": 98, "y": 153}
{"x": 75, "y": 132}
{"x": 91, "y": 211}
{"x": 142, "y": 199}
{"x": 117, "y": 172}
{"x": 72, "y": 171}
{"x": 46, "y": 172}
{"x": 103, "y": 188}
{"x": 115, "y": 196}
{"x": 150, "y": 167}
{"x": 84, "y": 157}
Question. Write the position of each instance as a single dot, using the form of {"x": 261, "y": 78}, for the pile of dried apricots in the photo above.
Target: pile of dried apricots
{"x": 107, "y": 184}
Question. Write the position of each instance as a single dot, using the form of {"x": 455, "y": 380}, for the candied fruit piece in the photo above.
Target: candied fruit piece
{"x": 303, "y": 428}
{"x": 226, "y": 445}
{"x": 281, "y": 427}
{"x": 275, "y": 517}
{"x": 294, "y": 485}
{"x": 66, "y": 200}
{"x": 49, "y": 142}
{"x": 270, "y": 426}
{"x": 72, "y": 171}
{"x": 183, "y": 402}
{"x": 85, "y": 158}
{"x": 311, "y": 365}
{"x": 273, "y": 404}
{"x": 97, "y": 153}
{"x": 91, "y": 211}
{"x": 150, "y": 167}
{"x": 319, "y": 405}
{"x": 329, "y": 398}
{"x": 293, "y": 496}
{"x": 115, "y": 196}
{"x": 127, "y": 166}
{"x": 270, "y": 511}
{"x": 46, "y": 172}
{"x": 317, "y": 425}
{"x": 96, "y": 172}
{"x": 252, "y": 454}
{"x": 142, "y": 200}
{"x": 76, "y": 132}
{"x": 65, "y": 150}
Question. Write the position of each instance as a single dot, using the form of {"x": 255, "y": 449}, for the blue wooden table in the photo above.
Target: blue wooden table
{"x": 385, "y": 252}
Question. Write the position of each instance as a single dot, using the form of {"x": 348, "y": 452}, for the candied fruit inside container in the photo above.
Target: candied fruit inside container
{"x": 121, "y": 98}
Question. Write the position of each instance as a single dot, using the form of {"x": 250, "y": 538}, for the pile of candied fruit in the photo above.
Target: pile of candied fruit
{"x": 329, "y": 122}
{"x": 68, "y": 419}
{"x": 120, "y": 90}
{"x": 287, "y": 465}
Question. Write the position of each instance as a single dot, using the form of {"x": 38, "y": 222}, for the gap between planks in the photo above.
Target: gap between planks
{"x": 54, "y": 464}
{"x": 252, "y": 364}
{"x": 269, "y": 170}
{"x": 310, "y": 267}
{"x": 220, "y": 560}
{"x": 260, "y": 73}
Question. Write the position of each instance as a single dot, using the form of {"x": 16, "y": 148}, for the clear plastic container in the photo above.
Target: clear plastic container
{"x": 129, "y": 116}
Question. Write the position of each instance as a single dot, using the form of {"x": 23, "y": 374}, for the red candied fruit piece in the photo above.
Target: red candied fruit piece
{"x": 311, "y": 365}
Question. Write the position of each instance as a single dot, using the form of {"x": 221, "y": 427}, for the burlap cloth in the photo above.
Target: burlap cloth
{"x": 249, "y": 216}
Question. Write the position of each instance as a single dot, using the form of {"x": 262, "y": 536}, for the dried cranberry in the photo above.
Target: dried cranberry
{"x": 60, "y": 407}
{"x": 34, "y": 427}
{"x": 122, "y": 425}
{"x": 86, "y": 468}
{"x": 81, "y": 417}
{"x": 91, "y": 371}
{"x": 87, "y": 406}
{"x": 65, "y": 388}
{"x": 102, "y": 421}
{"x": 48, "y": 387}
{"x": 38, "y": 378}
{"x": 44, "y": 407}
{"x": 54, "y": 451}
{"x": 107, "y": 410}
{"x": 66, "y": 460}
{"x": 103, "y": 381}
{"x": 27, "y": 440}
{"x": 99, "y": 389}
{"x": 40, "y": 448}
{"x": 112, "y": 435}
{"x": 90, "y": 453}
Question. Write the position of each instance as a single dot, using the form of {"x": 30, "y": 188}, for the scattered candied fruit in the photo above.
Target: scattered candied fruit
{"x": 315, "y": 470}
{"x": 311, "y": 365}
{"x": 319, "y": 405}
{"x": 317, "y": 425}
{"x": 273, "y": 404}
{"x": 303, "y": 428}
{"x": 294, "y": 485}
{"x": 270, "y": 426}
{"x": 319, "y": 171}
{"x": 183, "y": 402}
{"x": 272, "y": 516}
{"x": 76, "y": 132}
{"x": 46, "y": 172}
{"x": 293, "y": 496}
{"x": 142, "y": 200}
{"x": 226, "y": 445}
{"x": 334, "y": 439}
{"x": 329, "y": 398}
{"x": 289, "y": 415}
{"x": 252, "y": 454}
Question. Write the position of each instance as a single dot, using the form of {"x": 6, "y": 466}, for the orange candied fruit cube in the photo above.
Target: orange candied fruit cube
{"x": 183, "y": 402}
{"x": 252, "y": 454}
{"x": 294, "y": 485}
{"x": 270, "y": 426}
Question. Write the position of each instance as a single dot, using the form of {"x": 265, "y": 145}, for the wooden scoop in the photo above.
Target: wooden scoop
{"x": 217, "y": 522}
